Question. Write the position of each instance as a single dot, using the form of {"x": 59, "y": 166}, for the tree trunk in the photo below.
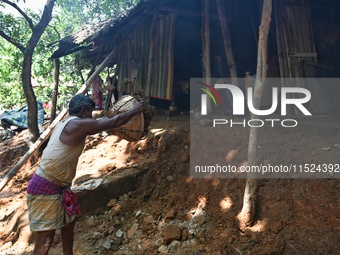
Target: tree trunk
{"x": 49, "y": 130}
{"x": 227, "y": 42}
{"x": 250, "y": 194}
{"x": 55, "y": 90}
{"x": 32, "y": 114}
{"x": 37, "y": 31}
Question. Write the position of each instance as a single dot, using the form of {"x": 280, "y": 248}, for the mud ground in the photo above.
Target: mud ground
{"x": 168, "y": 212}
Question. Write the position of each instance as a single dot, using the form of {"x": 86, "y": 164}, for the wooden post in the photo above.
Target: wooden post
{"x": 206, "y": 36}
{"x": 206, "y": 47}
{"x": 55, "y": 89}
{"x": 250, "y": 194}
{"x": 151, "y": 55}
{"x": 49, "y": 130}
{"x": 227, "y": 42}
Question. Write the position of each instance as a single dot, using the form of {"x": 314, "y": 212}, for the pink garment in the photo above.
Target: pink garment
{"x": 97, "y": 94}
{"x": 70, "y": 202}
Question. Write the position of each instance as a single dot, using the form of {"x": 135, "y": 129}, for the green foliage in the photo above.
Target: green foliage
{"x": 15, "y": 27}
{"x": 11, "y": 92}
{"x": 93, "y": 11}
{"x": 69, "y": 16}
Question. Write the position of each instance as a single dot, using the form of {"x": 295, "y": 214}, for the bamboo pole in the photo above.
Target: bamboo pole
{"x": 49, "y": 130}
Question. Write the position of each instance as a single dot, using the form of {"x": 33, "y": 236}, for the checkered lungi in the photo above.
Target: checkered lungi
{"x": 49, "y": 205}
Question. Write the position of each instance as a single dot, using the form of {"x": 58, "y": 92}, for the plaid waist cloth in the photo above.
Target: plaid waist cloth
{"x": 40, "y": 186}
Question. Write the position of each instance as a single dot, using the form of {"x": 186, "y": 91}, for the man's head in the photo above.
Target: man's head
{"x": 80, "y": 102}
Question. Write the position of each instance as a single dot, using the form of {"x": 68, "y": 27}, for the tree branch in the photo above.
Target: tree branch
{"x": 44, "y": 21}
{"x": 15, "y": 6}
{"x": 56, "y": 31}
{"x": 12, "y": 41}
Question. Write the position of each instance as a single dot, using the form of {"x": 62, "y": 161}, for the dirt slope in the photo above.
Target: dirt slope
{"x": 171, "y": 213}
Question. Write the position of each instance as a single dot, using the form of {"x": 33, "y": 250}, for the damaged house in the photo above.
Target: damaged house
{"x": 160, "y": 44}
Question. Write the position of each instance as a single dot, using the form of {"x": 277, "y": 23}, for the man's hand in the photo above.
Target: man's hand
{"x": 140, "y": 106}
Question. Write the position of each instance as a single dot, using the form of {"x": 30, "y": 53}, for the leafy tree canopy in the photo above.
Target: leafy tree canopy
{"x": 68, "y": 17}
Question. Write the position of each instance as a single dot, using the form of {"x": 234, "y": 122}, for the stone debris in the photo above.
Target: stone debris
{"x": 112, "y": 202}
{"x": 132, "y": 230}
{"x": 169, "y": 234}
{"x": 119, "y": 233}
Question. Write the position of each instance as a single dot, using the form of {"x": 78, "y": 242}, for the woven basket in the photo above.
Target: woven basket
{"x": 134, "y": 129}
{"x": 125, "y": 103}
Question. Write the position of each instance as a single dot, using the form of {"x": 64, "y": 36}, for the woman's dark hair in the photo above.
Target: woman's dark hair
{"x": 78, "y": 101}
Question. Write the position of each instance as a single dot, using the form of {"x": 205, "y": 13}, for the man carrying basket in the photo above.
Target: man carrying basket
{"x": 51, "y": 203}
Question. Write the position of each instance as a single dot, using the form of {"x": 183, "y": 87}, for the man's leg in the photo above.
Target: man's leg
{"x": 67, "y": 238}
{"x": 43, "y": 242}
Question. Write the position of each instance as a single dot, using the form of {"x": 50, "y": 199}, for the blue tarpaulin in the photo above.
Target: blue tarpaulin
{"x": 19, "y": 117}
